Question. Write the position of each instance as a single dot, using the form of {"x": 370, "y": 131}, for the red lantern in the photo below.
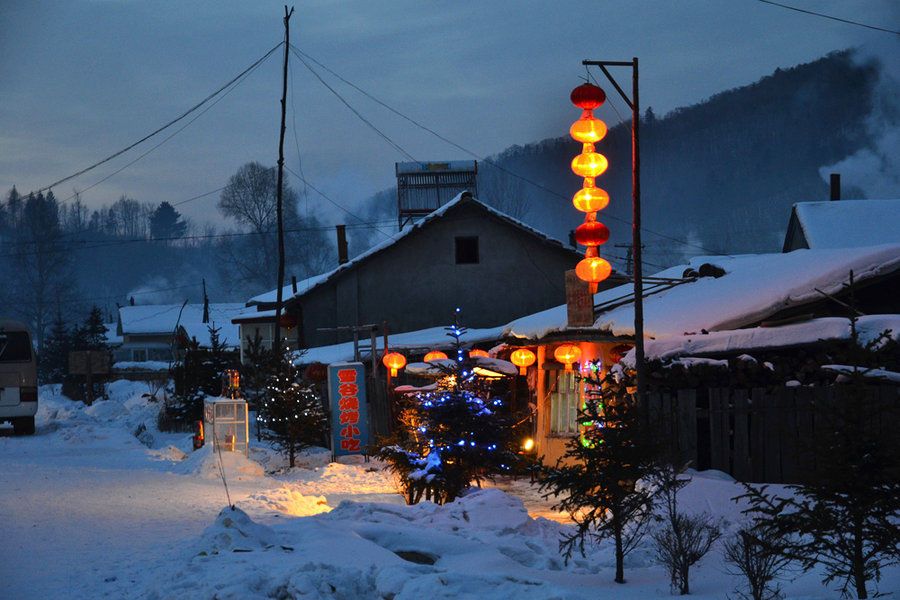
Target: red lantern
{"x": 617, "y": 352}
{"x": 587, "y": 96}
{"x": 394, "y": 361}
{"x": 522, "y": 358}
{"x": 567, "y": 354}
{"x": 591, "y": 233}
{"x": 288, "y": 321}
{"x": 317, "y": 372}
{"x": 476, "y": 352}
{"x": 435, "y": 355}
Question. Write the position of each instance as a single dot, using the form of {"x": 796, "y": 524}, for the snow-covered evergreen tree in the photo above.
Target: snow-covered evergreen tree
{"x": 292, "y": 415}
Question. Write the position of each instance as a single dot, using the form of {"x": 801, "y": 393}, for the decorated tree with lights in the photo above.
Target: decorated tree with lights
{"x": 451, "y": 436}
{"x": 292, "y": 415}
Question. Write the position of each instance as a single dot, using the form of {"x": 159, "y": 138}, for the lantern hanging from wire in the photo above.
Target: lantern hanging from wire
{"x": 589, "y": 199}
{"x": 394, "y": 361}
{"x": 477, "y": 352}
{"x": 522, "y": 358}
{"x": 567, "y": 354}
{"x": 435, "y": 355}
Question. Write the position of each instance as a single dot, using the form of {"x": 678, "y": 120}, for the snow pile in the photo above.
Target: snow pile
{"x": 210, "y": 464}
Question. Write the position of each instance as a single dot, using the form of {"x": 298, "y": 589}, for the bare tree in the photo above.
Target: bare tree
{"x": 249, "y": 257}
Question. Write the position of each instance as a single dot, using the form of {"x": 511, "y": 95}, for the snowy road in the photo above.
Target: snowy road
{"x": 75, "y": 517}
{"x": 91, "y": 512}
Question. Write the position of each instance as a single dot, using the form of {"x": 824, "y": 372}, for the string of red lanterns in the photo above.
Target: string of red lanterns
{"x": 589, "y": 199}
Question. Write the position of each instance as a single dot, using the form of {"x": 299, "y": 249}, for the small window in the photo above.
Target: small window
{"x": 139, "y": 355}
{"x": 467, "y": 250}
{"x": 565, "y": 401}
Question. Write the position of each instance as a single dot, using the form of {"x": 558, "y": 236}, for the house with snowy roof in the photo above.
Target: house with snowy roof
{"x": 843, "y": 224}
{"x": 465, "y": 255}
{"x": 713, "y": 307}
{"x": 149, "y": 332}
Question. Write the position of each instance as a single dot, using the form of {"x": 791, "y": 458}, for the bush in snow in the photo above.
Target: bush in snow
{"x": 757, "y": 553}
{"x": 683, "y": 539}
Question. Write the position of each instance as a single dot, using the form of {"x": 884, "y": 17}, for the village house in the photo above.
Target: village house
{"x": 150, "y": 333}
{"x": 717, "y": 307}
{"x": 465, "y": 255}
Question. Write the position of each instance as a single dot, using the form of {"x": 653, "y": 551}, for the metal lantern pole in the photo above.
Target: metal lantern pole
{"x": 640, "y": 366}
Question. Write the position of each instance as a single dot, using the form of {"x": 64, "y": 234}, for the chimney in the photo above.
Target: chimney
{"x": 342, "y": 244}
{"x": 835, "y": 186}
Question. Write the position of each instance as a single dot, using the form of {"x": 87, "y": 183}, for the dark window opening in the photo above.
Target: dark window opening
{"x": 466, "y": 250}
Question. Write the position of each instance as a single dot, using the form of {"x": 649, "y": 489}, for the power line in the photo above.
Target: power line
{"x": 353, "y": 110}
{"x": 302, "y": 55}
{"x": 824, "y": 16}
{"x": 164, "y": 127}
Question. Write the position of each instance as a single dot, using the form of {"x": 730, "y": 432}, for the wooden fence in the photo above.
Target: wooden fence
{"x": 760, "y": 435}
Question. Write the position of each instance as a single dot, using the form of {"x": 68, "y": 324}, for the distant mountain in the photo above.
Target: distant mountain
{"x": 717, "y": 177}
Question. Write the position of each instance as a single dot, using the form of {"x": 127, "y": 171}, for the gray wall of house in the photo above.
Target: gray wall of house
{"x": 416, "y": 283}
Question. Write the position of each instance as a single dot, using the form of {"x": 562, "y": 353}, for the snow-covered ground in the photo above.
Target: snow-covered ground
{"x": 90, "y": 510}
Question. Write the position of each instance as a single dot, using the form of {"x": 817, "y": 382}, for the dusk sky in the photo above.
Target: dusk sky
{"x": 81, "y": 80}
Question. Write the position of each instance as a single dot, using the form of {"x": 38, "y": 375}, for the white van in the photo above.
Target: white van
{"x": 18, "y": 377}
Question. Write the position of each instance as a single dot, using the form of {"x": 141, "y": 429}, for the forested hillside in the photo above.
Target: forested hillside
{"x": 716, "y": 177}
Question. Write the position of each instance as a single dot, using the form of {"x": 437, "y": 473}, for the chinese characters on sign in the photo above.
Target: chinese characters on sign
{"x": 347, "y": 395}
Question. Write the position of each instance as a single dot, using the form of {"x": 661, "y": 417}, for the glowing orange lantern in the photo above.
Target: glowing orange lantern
{"x": 567, "y": 354}
{"x": 434, "y": 355}
{"x": 522, "y": 358}
{"x": 590, "y": 199}
{"x": 593, "y": 269}
{"x": 587, "y": 129}
{"x": 394, "y": 361}
{"x": 589, "y": 163}
{"x": 476, "y": 352}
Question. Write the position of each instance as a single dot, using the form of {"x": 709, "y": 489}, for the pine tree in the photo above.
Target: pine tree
{"x": 166, "y": 222}
{"x": 292, "y": 415}
{"x": 54, "y": 356}
{"x": 843, "y": 516}
{"x": 448, "y": 438}
{"x": 602, "y": 481}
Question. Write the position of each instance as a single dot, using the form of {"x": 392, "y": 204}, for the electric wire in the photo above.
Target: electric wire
{"x": 164, "y": 127}
{"x": 302, "y": 56}
{"x": 833, "y": 18}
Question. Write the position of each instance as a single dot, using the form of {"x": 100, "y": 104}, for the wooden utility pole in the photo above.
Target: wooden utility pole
{"x": 276, "y": 342}
{"x": 632, "y": 102}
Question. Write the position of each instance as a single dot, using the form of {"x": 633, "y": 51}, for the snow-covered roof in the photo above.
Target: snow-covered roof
{"x": 161, "y": 319}
{"x": 756, "y": 338}
{"x": 423, "y": 340}
{"x": 308, "y": 284}
{"x": 848, "y": 223}
{"x": 753, "y": 288}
